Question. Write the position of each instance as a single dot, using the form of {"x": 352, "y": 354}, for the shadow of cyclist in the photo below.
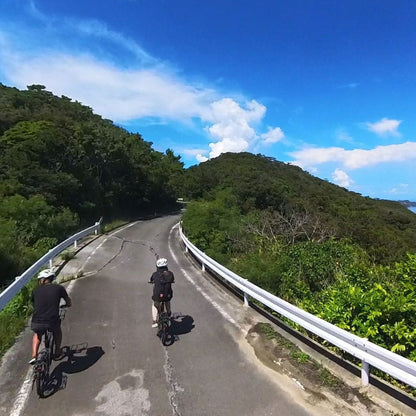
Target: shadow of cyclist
{"x": 79, "y": 358}
{"x": 181, "y": 324}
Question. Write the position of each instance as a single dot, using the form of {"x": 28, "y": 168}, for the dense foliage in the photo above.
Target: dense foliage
{"x": 62, "y": 166}
{"x": 385, "y": 229}
{"x": 348, "y": 259}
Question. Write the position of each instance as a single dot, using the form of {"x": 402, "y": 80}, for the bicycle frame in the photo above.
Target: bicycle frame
{"x": 163, "y": 324}
{"x": 42, "y": 367}
{"x": 45, "y": 356}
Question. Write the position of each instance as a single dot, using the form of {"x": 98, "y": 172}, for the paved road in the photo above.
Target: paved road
{"x": 117, "y": 365}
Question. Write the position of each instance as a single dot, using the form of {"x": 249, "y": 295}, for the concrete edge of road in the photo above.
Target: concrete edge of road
{"x": 344, "y": 370}
{"x": 73, "y": 267}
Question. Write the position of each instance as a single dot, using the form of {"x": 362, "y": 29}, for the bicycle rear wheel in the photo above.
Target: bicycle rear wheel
{"x": 164, "y": 335}
{"x": 50, "y": 346}
{"x": 41, "y": 380}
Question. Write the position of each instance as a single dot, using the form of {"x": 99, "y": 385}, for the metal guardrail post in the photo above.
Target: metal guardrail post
{"x": 365, "y": 373}
{"x": 365, "y": 369}
{"x": 203, "y": 266}
{"x": 97, "y": 224}
{"x": 246, "y": 298}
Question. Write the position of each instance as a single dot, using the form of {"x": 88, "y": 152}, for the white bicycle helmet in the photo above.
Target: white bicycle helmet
{"x": 46, "y": 274}
{"x": 161, "y": 262}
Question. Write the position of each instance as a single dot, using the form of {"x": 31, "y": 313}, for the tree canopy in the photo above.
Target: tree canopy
{"x": 62, "y": 166}
{"x": 386, "y": 229}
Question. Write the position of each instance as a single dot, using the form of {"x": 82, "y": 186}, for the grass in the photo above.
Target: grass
{"x": 113, "y": 225}
{"x": 67, "y": 255}
{"x": 324, "y": 376}
{"x": 13, "y": 318}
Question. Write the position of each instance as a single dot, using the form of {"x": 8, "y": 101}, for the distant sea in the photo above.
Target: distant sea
{"x": 413, "y": 209}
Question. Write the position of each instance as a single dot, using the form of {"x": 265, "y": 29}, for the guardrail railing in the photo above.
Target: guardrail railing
{"x": 20, "y": 281}
{"x": 369, "y": 353}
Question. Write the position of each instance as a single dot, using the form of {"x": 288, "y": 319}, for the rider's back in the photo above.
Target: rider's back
{"x": 162, "y": 280}
{"x": 47, "y": 299}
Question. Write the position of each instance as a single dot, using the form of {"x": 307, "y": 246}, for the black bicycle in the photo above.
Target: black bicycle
{"x": 164, "y": 325}
{"x": 41, "y": 371}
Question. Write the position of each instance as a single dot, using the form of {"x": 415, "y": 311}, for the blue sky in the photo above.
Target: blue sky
{"x": 327, "y": 85}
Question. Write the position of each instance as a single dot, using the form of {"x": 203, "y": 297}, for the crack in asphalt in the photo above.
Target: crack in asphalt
{"x": 174, "y": 386}
{"x": 123, "y": 242}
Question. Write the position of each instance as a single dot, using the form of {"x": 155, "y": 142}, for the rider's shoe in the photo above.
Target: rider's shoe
{"x": 32, "y": 361}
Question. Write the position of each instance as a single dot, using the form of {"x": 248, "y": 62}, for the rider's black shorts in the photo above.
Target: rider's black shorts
{"x": 41, "y": 328}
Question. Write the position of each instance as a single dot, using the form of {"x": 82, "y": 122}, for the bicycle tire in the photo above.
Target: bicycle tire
{"x": 41, "y": 382}
{"x": 50, "y": 347}
{"x": 164, "y": 334}
{"x": 43, "y": 367}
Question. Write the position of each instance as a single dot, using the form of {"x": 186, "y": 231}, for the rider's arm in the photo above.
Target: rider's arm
{"x": 65, "y": 297}
{"x": 68, "y": 302}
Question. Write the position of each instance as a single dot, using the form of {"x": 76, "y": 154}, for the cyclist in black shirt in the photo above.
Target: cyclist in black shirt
{"x": 46, "y": 298}
{"x": 162, "y": 290}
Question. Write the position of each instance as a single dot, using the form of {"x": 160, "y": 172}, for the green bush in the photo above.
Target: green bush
{"x": 14, "y": 316}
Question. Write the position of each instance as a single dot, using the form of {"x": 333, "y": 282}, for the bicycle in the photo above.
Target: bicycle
{"x": 43, "y": 363}
{"x": 164, "y": 325}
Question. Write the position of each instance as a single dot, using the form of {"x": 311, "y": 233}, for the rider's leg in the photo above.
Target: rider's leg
{"x": 35, "y": 345}
{"x": 57, "y": 332}
{"x": 167, "y": 304}
{"x": 155, "y": 312}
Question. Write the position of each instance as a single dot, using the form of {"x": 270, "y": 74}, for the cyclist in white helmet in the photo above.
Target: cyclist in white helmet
{"x": 46, "y": 298}
{"x": 162, "y": 289}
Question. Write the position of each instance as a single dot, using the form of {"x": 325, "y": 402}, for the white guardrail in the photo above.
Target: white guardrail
{"x": 11, "y": 291}
{"x": 370, "y": 354}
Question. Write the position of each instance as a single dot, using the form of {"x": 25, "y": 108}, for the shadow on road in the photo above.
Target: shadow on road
{"x": 78, "y": 358}
{"x": 181, "y": 324}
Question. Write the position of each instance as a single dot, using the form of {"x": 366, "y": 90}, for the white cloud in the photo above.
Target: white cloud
{"x": 351, "y": 85}
{"x": 123, "y": 93}
{"x": 95, "y": 28}
{"x": 113, "y": 92}
{"x": 385, "y": 127}
{"x": 357, "y": 158}
{"x": 343, "y": 136}
{"x": 341, "y": 178}
{"x": 231, "y": 125}
{"x": 402, "y": 188}
{"x": 273, "y": 135}
{"x": 201, "y": 158}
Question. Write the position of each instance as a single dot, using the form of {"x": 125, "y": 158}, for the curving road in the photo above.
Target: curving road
{"x": 117, "y": 365}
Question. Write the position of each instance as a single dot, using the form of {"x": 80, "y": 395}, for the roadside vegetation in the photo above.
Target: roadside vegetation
{"x": 62, "y": 167}
{"x": 347, "y": 259}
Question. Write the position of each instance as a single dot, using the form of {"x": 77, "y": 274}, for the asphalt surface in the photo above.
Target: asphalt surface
{"x": 117, "y": 366}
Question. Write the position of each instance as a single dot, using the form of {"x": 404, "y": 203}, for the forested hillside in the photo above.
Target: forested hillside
{"x": 259, "y": 184}
{"x": 62, "y": 166}
{"x": 349, "y": 259}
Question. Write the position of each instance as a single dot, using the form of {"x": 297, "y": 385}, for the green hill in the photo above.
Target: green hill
{"x": 386, "y": 229}
{"x": 62, "y": 166}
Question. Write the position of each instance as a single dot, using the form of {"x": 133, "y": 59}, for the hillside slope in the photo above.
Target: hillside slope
{"x": 386, "y": 229}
